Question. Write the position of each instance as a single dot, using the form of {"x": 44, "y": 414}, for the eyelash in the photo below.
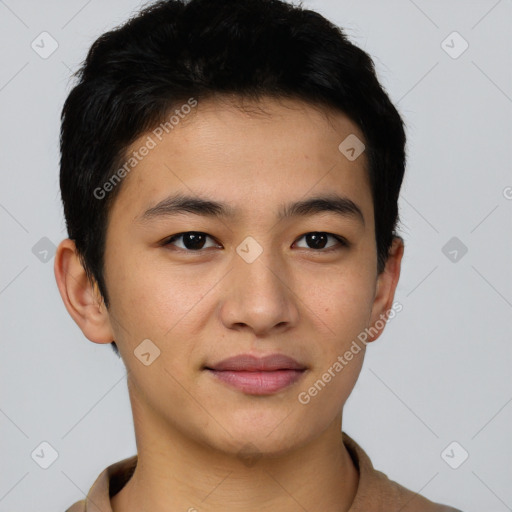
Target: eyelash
{"x": 343, "y": 243}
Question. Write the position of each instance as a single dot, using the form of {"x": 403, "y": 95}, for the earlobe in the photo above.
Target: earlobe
{"x": 385, "y": 290}
{"x": 81, "y": 297}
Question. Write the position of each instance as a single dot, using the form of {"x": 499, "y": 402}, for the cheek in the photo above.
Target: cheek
{"x": 156, "y": 300}
{"x": 339, "y": 308}
{"x": 342, "y": 300}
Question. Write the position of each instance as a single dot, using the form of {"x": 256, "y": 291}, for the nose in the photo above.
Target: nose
{"x": 258, "y": 296}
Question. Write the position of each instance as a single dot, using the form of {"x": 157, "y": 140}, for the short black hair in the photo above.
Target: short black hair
{"x": 174, "y": 50}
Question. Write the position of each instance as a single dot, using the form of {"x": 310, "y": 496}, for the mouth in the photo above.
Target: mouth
{"x": 258, "y": 376}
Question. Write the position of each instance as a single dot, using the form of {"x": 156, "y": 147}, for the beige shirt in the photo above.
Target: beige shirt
{"x": 375, "y": 492}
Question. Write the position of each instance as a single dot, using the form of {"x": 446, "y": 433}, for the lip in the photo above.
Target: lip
{"x": 258, "y": 375}
{"x": 250, "y": 363}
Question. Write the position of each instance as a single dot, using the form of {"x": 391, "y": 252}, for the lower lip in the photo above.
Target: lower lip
{"x": 258, "y": 383}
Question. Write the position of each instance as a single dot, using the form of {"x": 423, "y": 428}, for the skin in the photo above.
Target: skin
{"x": 201, "y": 307}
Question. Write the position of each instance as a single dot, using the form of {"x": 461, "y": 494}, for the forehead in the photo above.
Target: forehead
{"x": 251, "y": 156}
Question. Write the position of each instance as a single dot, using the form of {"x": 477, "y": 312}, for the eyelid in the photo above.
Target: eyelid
{"x": 342, "y": 241}
{"x": 167, "y": 240}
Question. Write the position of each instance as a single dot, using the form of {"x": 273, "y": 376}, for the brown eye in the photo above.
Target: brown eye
{"x": 192, "y": 240}
{"x": 318, "y": 240}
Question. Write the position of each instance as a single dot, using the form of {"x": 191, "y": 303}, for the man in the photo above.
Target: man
{"x": 230, "y": 174}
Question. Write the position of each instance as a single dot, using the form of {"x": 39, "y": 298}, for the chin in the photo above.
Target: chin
{"x": 248, "y": 439}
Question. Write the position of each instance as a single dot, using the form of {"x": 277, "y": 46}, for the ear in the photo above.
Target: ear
{"x": 81, "y": 297}
{"x": 385, "y": 289}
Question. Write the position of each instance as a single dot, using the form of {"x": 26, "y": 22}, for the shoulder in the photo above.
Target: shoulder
{"x": 110, "y": 481}
{"x": 79, "y": 506}
{"x": 407, "y": 500}
{"x": 377, "y": 493}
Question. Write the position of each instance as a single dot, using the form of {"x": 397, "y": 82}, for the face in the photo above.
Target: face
{"x": 241, "y": 277}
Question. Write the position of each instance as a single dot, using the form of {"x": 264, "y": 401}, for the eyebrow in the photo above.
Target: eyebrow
{"x": 181, "y": 204}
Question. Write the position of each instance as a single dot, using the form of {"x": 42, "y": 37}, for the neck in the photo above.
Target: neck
{"x": 175, "y": 472}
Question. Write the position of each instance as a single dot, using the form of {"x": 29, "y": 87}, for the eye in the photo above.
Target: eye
{"x": 318, "y": 240}
{"x": 192, "y": 240}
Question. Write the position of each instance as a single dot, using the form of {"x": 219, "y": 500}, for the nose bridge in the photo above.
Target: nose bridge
{"x": 261, "y": 274}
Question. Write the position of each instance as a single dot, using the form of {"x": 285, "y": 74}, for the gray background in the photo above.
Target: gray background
{"x": 441, "y": 370}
